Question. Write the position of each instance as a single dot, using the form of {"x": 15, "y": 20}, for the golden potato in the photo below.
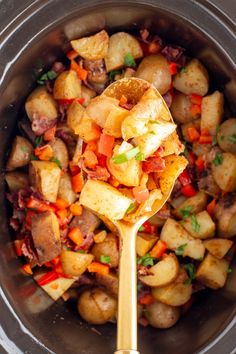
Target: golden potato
{"x": 20, "y": 154}
{"x": 75, "y": 263}
{"x": 45, "y": 177}
{"x": 202, "y": 228}
{"x": 75, "y": 115}
{"x": 212, "y": 111}
{"x": 110, "y": 281}
{"x": 172, "y": 145}
{"x": 93, "y": 47}
{"x": 60, "y": 152}
{"x": 161, "y": 315}
{"x": 114, "y": 121}
{"x": 218, "y": 247}
{"x": 87, "y": 94}
{"x": 109, "y": 247}
{"x": 121, "y": 44}
{"x": 144, "y": 243}
{"x": 194, "y": 79}
{"x": 67, "y": 86}
{"x": 17, "y": 180}
{"x": 225, "y": 214}
{"x": 100, "y": 107}
{"x": 226, "y": 136}
{"x": 155, "y": 69}
{"x": 224, "y": 172}
{"x": 65, "y": 190}
{"x": 197, "y": 204}
{"x": 41, "y": 103}
{"x": 181, "y": 108}
{"x": 46, "y": 236}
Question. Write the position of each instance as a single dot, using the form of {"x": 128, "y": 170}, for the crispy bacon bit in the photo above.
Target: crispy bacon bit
{"x": 172, "y": 52}
{"x": 41, "y": 124}
{"x": 96, "y": 71}
{"x": 176, "y": 192}
{"x": 100, "y": 173}
{"x": 142, "y": 270}
{"x": 15, "y": 224}
{"x": 85, "y": 279}
{"x": 154, "y": 164}
{"x": 27, "y": 248}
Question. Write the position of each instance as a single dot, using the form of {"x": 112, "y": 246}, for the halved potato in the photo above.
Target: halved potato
{"x": 212, "y": 111}
{"x": 104, "y": 199}
{"x": 67, "y": 86}
{"x": 75, "y": 263}
{"x": 45, "y": 177}
{"x": 114, "y": 121}
{"x": 92, "y": 48}
{"x": 225, "y": 173}
{"x": 16, "y": 180}
{"x": 197, "y": 204}
{"x": 176, "y": 293}
{"x": 175, "y": 236}
{"x": 41, "y": 103}
{"x": 212, "y": 272}
{"x": 100, "y": 107}
{"x": 60, "y": 152}
{"x": 144, "y": 243}
{"x": 162, "y": 273}
{"x": 226, "y": 135}
{"x": 204, "y": 223}
{"x": 20, "y": 154}
{"x": 121, "y": 44}
{"x": 181, "y": 108}
{"x": 65, "y": 190}
{"x": 194, "y": 79}
{"x": 218, "y": 247}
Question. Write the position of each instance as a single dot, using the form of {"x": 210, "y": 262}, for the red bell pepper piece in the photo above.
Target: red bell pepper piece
{"x": 188, "y": 190}
{"x": 173, "y": 68}
{"x": 200, "y": 163}
{"x": 184, "y": 178}
{"x": 105, "y": 144}
{"x": 211, "y": 207}
{"x": 204, "y": 139}
{"x": 48, "y": 278}
{"x": 154, "y": 164}
{"x": 196, "y": 99}
{"x": 193, "y": 134}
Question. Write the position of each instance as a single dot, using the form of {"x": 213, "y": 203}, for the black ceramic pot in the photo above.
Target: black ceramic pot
{"x": 34, "y": 34}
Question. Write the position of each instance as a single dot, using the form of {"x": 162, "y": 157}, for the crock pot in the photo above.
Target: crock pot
{"x": 33, "y": 35}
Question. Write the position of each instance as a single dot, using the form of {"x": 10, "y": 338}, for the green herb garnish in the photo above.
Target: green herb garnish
{"x": 214, "y": 141}
{"x": 38, "y": 141}
{"x": 180, "y": 250}
{"x": 140, "y": 157}
{"x": 218, "y": 160}
{"x": 232, "y": 139}
{"x": 222, "y": 137}
{"x": 81, "y": 251}
{"x": 146, "y": 260}
{"x": 183, "y": 70}
{"x": 55, "y": 160}
{"x": 34, "y": 158}
{"x": 185, "y": 212}
{"x": 126, "y": 156}
{"x": 194, "y": 223}
{"x": 50, "y": 75}
{"x": 129, "y": 60}
{"x": 105, "y": 259}
{"x": 113, "y": 73}
{"x": 130, "y": 208}
{"x": 189, "y": 267}
{"x": 23, "y": 149}
{"x": 141, "y": 228}
{"x": 229, "y": 270}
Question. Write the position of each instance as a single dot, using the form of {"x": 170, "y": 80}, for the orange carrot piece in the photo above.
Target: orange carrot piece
{"x": 50, "y": 134}
{"x": 44, "y": 153}
{"x": 27, "y": 269}
{"x": 76, "y": 236}
{"x": 76, "y": 209}
{"x": 82, "y": 73}
{"x": 77, "y": 182}
{"x": 147, "y": 299}
{"x": 159, "y": 249}
{"x": 90, "y": 159}
{"x": 211, "y": 207}
{"x": 61, "y": 204}
{"x": 96, "y": 267}
{"x": 193, "y": 134}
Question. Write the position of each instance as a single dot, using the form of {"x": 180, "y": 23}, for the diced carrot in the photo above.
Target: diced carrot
{"x": 62, "y": 214}
{"x": 195, "y": 110}
{"x": 188, "y": 190}
{"x": 105, "y": 144}
{"x": 72, "y": 54}
{"x": 82, "y": 73}
{"x": 113, "y": 181}
{"x": 153, "y": 47}
{"x": 200, "y": 163}
{"x": 159, "y": 249}
{"x": 18, "y": 245}
{"x": 38, "y": 205}
{"x": 196, "y": 99}
{"x": 193, "y": 134}
{"x": 50, "y": 134}
{"x": 205, "y": 132}
{"x": 95, "y": 132}
{"x": 91, "y": 145}
{"x": 211, "y": 207}
{"x": 61, "y": 204}
{"x": 173, "y": 68}
{"x": 54, "y": 286}
{"x": 141, "y": 193}
{"x": 97, "y": 267}
{"x": 76, "y": 236}
{"x": 48, "y": 278}
{"x": 151, "y": 183}
{"x": 76, "y": 209}
{"x": 90, "y": 159}
{"x": 44, "y": 153}
{"x": 77, "y": 182}
{"x": 146, "y": 299}
{"x": 27, "y": 269}
{"x": 74, "y": 169}
{"x": 123, "y": 100}
{"x": 205, "y": 139}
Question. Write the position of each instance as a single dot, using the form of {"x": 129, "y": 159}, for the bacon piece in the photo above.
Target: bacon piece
{"x": 41, "y": 124}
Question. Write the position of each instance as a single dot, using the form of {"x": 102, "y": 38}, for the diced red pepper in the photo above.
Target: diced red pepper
{"x": 154, "y": 164}
{"x": 173, "y": 68}
{"x": 74, "y": 169}
{"x": 102, "y": 160}
{"x": 141, "y": 193}
{"x": 191, "y": 157}
{"x": 211, "y": 207}
{"x": 106, "y": 144}
{"x": 204, "y": 139}
{"x": 72, "y": 54}
{"x": 200, "y": 163}
{"x": 146, "y": 299}
{"x": 188, "y": 190}
{"x": 185, "y": 178}
{"x": 196, "y": 99}
{"x": 193, "y": 134}
{"x": 159, "y": 249}
{"x": 48, "y": 278}
{"x": 147, "y": 227}
{"x": 80, "y": 100}
{"x": 205, "y": 132}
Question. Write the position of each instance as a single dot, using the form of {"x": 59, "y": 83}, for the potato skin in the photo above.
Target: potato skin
{"x": 16, "y": 180}
{"x": 20, "y": 154}
{"x": 65, "y": 190}
{"x": 60, "y": 152}
{"x": 212, "y": 111}
{"x": 87, "y": 222}
{"x": 96, "y": 306}
{"x": 110, "y": 281}
{"x": 180, "y": 108}
{"x": 67, "y": 86}
{"x": 225, "y": 214}
{"x": 155, "y": 69}
{"x": 109, "y": 247}
{"x": 226, "y": 134}
{"x": 161, "y": 315}
{"x": 225, "y": 173}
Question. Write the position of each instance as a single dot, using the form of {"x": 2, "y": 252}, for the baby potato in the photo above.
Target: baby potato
{"x": 100, "y": 107}
{"x": 205, "y": 223}
{"x": 92, "y": 48}
{"x": 218, "y": 247}
{"x": 41, "y": 103}
{"x": 67, "y": 86}
{"x": 60, "y": 152}
{"x": 226, "y": 136}
{"x": 155, "y": 69}
{"x": 96, "y": 306}
{"x": 75, "y": 263}
{"x": 181, "y": 108}
{"x": 196, "y": 204}
{"x": 16, "y": 180}
{"x": 121, "y": 44}
{"x": 225, "y": 173}
{"x": 109, "y": 247}
{"x": 161, "y": 315}
{"x": 65, "y": 190}
{"x": 195, "y": 79}
{"x": 20, "y": 154}
{"x": 212, "y": 111}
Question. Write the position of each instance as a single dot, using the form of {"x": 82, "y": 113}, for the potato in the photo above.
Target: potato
{"x": 207, "y": 184}
{"x": 92, "y": 48}
{"x": 176, "y": 293}
{"x": 162, "y": 273}
{"x": 225, "y": 214}
{"x": 109, "y": 247}
{"x": 153, "y": 139}
{"x": 87, "y": 222}
{"x": 176, "y": 202}
{"x": 46, "y": 236}
{"x": 218, "y": 247}
{"x": 45, "y": 177}
{"x": 75, "y": 263}
{"x": 16, "y": 180}
{"x": 20, "y": 154}
{"x": 200, "y": 149}
{"x": 100, "y": 107}
{"x": 181, "y": 108}
{"x": 114, "y": 121}
{"x": 104, "y": 199}
{"x": 174, "y": 166}
{"x": 212, "y": 111}
{"x": 67, "y": 86}
{"x": 144, "y": 243}
{"x": 212, "y": 272}
{"x": 172, "y": 145}
{"x": 175, "y": 236}
{"x": 87, "y": 94}
{"x": 65, "y": 190}
{"x": 60, "y": 152}
{"x": 127, "y": 173}
{"x": 161, "y": 315}
{"x": 121, "y": 44}
{"x": 197, "y": 204}
{"x": 96, "y": 306}
{"x": 225, "y": 173}
{"x": 86, "y": 128}
{"x": 184, "y": 128}
{"x": 204, "y": 222}
{"x": 194, "y": 80}
{"x": 155, "y": 69}
{"x": 41, "y": 103}
{"x": 110, "y": 281}
{"x": 226, "y": 136}
{"x": 75, "y": 115}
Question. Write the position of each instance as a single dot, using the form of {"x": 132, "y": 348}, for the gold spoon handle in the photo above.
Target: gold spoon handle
{"x": 127, "y": 303}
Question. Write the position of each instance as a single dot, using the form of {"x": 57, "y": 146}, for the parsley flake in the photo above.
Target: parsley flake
{"x": 183, "y": 70}
{"x": 141, "y": 228}
{"x": 214, "y": 141}
{"x": 185, "y": 212}
{"x": 105, "y": 259}
{"x": 130, "y": 208}
{"x": 189, "y": 267}
{"x": 113, "y": 73}
{"x": 194, "y": 223}
{"x": 232, "y": 139}
{"x": 38, "y": 140}
{"x": 229, "y": 270}
{"x": 50, "y": 75}
{"x": 55, "y": 160}
{"x": 218, "y": 160}
{"x": 146, "y": 260}
{"x": 180, "y": 250}
{"x": 129, "y": 60}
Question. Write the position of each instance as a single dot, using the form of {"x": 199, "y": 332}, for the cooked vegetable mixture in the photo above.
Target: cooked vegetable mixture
{"x": 78, "y": 146}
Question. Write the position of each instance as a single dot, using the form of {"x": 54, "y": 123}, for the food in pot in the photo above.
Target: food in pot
{"x": 80, "y": 146}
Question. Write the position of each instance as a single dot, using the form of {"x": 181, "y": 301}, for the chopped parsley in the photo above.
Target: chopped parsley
{"x": 141, "y": 228}
{"x": 183, "y": 70}
{"x": 222, "y": 138}
{"x": 105, "y": 259}
{"x": 189, "y": 267}
{"x": 214, "y": 141}
{"x": 129, "y": 60}
{"x": 140, "y": 157}
{"x": 50, "y": 75}
{"x": 38, "y": 140}
{"x": 185, "y": 212}
{"x": 194, "y": 223}
{"x": 218, "y": 160}
{"x": 23, "y": 149}
{"x": 126, "y": 156}
{"x": 229, "y": 270}
{"x": 180, "y": 250}
{"x": 130, "y": 208}
{"x": 55, "y": 160}
{"x": 146, "y": 260}
{"x": 113, "y": 73}
{"x": 232, "y": 139}
{"x": 81, "y": 251}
